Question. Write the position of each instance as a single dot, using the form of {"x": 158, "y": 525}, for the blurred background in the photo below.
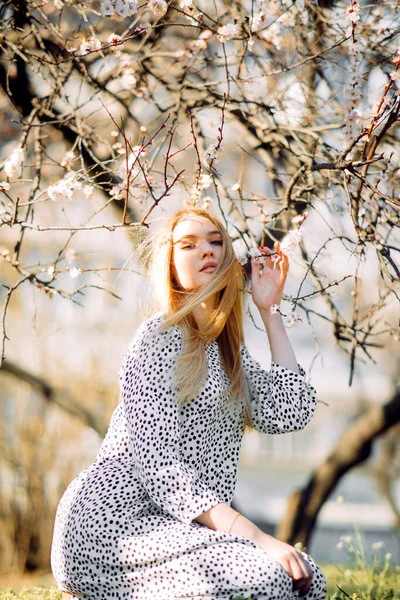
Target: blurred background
{"x": 279, "y": 116}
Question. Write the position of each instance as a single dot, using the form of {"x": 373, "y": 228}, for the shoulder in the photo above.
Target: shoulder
{"x": 151, "y": 340}
{"x": 153, "y": 332}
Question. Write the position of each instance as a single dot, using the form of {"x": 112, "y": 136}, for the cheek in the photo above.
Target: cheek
{"x": 182, "y": 269}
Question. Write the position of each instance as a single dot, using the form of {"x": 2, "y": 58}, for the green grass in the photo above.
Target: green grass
{"x": 32, "y": 594}
{"x": 356, "y": 580}
{"x": 357, "y": 584}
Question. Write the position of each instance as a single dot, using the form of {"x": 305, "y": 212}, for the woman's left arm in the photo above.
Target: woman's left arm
{"x": 281, "y": 399}
{"x": 267, "y": 283}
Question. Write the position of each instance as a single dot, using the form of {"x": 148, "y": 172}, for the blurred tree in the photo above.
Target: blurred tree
{"x": 353, "y": 448}
{"x": 282, "y": 115}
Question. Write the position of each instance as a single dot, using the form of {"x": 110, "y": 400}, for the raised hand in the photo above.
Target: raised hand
{"x": 268, "y": 276}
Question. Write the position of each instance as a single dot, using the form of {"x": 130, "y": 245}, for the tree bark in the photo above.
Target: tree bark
{"x": 353, "y": 448}
{"x": 60, "y": 398}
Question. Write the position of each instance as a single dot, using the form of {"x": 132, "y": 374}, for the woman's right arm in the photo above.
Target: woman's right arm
{"x": 223, "y": 517}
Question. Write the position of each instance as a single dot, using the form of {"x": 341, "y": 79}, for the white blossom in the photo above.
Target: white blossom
{"x": 50, "y": 270}
{"x": 118, "y": 191}
{"x": 122, "y": 8}
{"x": 126, "y": 8}
{"x": 228, "y": 32}
{"x": 348, "y": 573}
{"x": 274, "y": 309}
{"x": 107, "y": 8}
{"x": 207, "y": 202}
{"x": 131, "y": 165}
{"x": 271, "y": 35}
{"x": 377, "y": 546}
{"x": 113, "y": 39}
{"x": 212, "y": 154}
{"x": 353, "y": 87}
{"x": 201, "y": 42}
{"x": 194, "y": 16}
{"x": 186, "y": 4}
{"x": 129, "y": 78}
{"x": 195, "y": 194}
{"x": 157, "y": 7}
{"x": 204, "y": 181}
{"x": 291, "y": 319}
{"x": 88, "y": 191}
{"x": 257, "y": 21}
{"x": 13, "y": 164}
{"x": 4, "y": 186}
{"x": 90, "y": 45}
{"x": 58, "y": 4}
{"x": 235, "y": 187}
{"x": 347, "y": 539}
{"x": 64, "y": 188}
{"x": 74, "y": 272}
{"x": 352, "y": 12}
{"x": 67, "y": 160}
{"x": 291, "y": 241}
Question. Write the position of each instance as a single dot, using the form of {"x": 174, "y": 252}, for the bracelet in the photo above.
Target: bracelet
{"x": 233, "y": 522}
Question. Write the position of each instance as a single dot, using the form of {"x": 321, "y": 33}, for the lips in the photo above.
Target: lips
{"x": 209, "y": 266}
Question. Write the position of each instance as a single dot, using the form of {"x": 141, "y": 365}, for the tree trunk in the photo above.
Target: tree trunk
{"x": 353, "y": 448}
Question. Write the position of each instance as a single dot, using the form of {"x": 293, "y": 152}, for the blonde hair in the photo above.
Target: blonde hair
{"x": 226, "y": 324}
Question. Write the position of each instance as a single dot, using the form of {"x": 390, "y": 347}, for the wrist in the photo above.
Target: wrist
{"x": 244, "y": 527}
{"x": 269, "y": 316}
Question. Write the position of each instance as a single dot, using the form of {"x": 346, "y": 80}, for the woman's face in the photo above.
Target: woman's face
{"x": 197, "y": 251}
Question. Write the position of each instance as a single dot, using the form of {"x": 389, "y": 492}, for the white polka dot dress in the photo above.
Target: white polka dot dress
{"x": 124, "y": 527}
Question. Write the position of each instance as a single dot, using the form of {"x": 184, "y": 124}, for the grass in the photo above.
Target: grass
{"x": 356, "y": 580}
{"x": 357, "y": 584}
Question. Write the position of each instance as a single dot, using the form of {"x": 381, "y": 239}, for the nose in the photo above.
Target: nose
{"x": 207, "y": 250}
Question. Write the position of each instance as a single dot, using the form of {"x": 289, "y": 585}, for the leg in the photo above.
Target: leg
{"x": 219, "y": 571}
{"x": 317, "y": 590}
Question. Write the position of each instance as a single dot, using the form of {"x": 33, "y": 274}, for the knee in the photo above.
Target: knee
{"x": 318, "y": 585}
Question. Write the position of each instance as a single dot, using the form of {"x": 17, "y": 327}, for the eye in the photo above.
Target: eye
{"x": 187, "y": 246}
{"x": 217, "y": 242}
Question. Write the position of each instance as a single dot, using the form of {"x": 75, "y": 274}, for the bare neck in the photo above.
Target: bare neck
{"x": 203, "y": 312}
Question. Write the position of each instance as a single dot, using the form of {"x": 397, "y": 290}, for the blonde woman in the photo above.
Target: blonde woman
{"x": 151, "y": 518}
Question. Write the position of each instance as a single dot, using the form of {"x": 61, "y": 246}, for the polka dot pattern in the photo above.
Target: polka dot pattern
{"x": 124, "y": 527}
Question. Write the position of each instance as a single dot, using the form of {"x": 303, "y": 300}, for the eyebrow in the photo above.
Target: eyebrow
{"x": 193, "y": 237}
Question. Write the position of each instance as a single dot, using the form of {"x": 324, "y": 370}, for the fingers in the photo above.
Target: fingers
{"x": 302, "y": 575}
{"x": 299, "y": 570}
{"x": 276, "y": 258}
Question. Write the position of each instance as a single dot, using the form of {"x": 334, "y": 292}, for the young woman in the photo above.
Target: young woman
{"x": 151, "y": 518}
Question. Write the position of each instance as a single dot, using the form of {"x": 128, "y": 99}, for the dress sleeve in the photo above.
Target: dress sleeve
{"x": 148, "y": 395}
{"x": 281, "y": 400}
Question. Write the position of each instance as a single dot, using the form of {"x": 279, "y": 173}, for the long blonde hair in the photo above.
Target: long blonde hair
{"x": 226, "y": 324}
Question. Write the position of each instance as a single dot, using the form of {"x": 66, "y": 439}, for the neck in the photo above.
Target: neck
{"x": 203, "y": 312}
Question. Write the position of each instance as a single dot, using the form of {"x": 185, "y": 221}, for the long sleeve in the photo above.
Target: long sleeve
{"x": 152, "y": 414}
{"x": 281, "y": 399}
